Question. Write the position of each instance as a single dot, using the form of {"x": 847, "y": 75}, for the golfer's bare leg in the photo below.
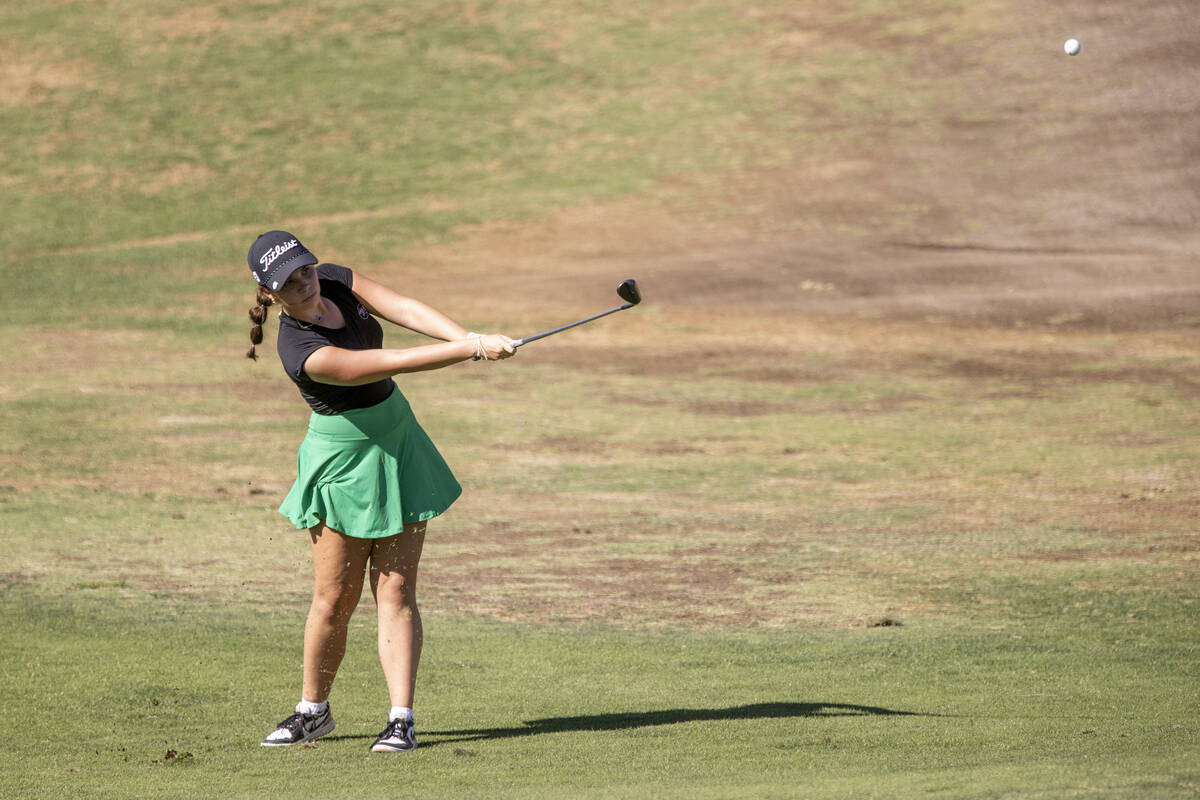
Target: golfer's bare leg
{"x": 339, "y": 564}
{"x": 393, "y": 573}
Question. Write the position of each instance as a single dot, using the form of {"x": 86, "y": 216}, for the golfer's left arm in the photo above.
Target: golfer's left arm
{"x": 405, "y": 311}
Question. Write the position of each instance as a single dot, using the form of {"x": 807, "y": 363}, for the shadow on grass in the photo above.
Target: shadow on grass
{"x": 648, "y": 719}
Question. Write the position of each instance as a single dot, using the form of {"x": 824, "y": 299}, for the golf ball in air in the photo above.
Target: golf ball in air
{"x": 1072, "y": 47}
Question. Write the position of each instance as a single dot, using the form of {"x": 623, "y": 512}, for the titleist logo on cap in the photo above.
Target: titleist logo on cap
{"x": 268, "y": 258}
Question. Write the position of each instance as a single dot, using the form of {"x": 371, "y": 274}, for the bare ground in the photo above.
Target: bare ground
{"x": 991, "y": 236}
{"x": 1045, "y": 195}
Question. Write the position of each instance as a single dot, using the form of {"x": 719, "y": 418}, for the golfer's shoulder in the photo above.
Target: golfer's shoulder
{"x": 336, "y": 273}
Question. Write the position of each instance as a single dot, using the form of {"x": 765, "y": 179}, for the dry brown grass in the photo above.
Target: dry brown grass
{"x": 817, "y": 331}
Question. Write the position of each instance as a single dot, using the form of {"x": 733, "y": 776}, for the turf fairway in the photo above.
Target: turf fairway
{"x": 953, "y": 710}
{"x": 888, "y": 489}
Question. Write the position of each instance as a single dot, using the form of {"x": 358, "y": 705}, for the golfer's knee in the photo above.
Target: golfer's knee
{"x": 397, "y": 590}
{"x": 334, "y": 602}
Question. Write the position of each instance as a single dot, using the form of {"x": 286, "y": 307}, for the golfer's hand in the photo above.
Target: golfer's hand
{"x": 497, "y": 345}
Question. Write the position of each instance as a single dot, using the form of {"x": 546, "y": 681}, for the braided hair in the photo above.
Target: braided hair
{"x": 258, "y": 315}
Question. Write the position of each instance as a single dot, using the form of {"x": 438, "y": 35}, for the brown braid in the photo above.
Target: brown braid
{"x": 258, "y": 315}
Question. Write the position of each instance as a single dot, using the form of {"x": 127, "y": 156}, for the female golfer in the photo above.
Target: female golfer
{"x": 369, "y": 479}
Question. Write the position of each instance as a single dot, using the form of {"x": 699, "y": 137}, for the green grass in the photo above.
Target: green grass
{"x": 1045, "y": 590}
{"x": 352, "y": 106}
{"x": 1067, "y": 702}
{"x": 698, "y": 556}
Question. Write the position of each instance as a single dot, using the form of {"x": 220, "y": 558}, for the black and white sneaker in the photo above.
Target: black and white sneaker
{"x": 300, "y": 728}
{"x": 398, "y": 737}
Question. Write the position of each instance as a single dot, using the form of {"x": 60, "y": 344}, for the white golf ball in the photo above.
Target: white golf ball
{"x": 1072, "y": 47}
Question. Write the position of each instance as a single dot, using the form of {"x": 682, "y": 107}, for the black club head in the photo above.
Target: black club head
{"x": 628, "y": 292}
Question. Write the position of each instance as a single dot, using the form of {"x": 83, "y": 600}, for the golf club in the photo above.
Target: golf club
{"x": 627, "y": 291}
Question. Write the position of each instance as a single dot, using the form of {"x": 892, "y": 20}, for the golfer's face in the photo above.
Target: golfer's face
{"x": 301, "y": 287}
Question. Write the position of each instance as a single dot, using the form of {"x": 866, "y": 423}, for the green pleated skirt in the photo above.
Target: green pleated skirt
{"x": 369, "y": 472}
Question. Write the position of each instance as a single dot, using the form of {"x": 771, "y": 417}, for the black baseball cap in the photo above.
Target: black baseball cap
{"x": 274, "y": 256}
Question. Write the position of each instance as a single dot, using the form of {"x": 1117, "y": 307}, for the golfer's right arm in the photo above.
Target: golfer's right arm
{"x": 340, "y": 367}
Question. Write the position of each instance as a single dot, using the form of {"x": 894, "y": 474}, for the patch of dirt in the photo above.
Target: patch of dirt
{"x": 580, "y": 578}
{"x": 971, "y": 237}
{"x": 194, "y": 21}
{"x": 1044, "y": 191}
{"x": 1090, "y": 554}
{"x": 32, "y": 77}
{"x": 739, "y": 408}
{"x": 1042, "y": 197}
{"x": 179, "y": 175}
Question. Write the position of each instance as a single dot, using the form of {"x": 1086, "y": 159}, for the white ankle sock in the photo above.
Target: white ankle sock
{"x": 400, "y": 712}
{"x": 312, "y": 709}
